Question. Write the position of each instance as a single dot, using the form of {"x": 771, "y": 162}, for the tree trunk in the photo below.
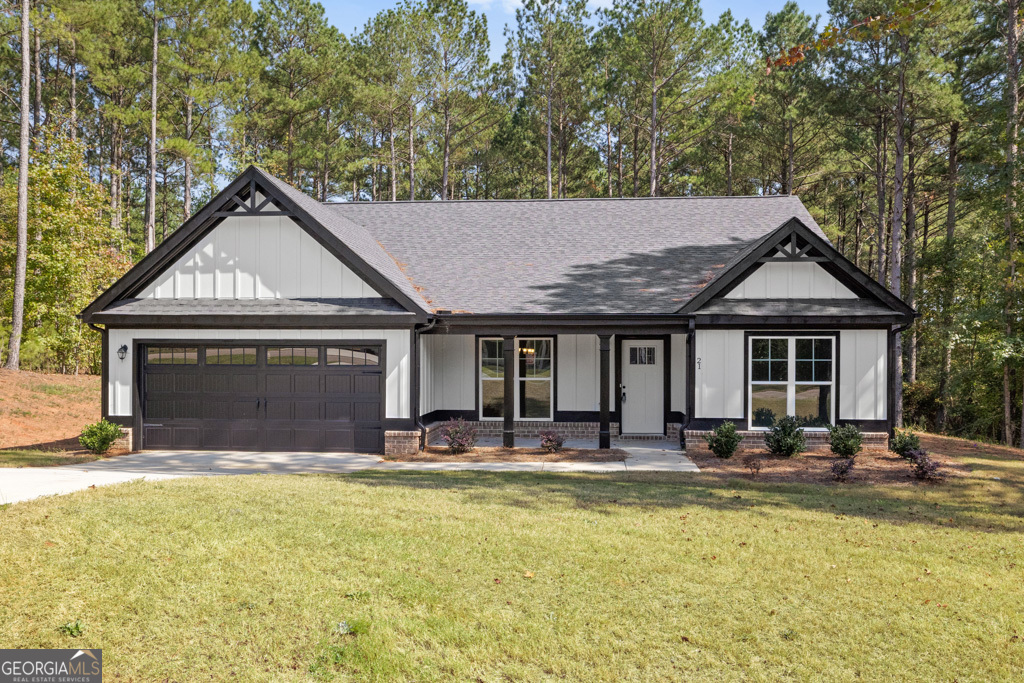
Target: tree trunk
{"x": 948, "y": 280}
{"x": 151, "y": 156}
{"x": 550, "y": 77}
{"x": 447, "y": 155}
{"x": 608, "y": 154}
{"x": 74, "y": 92}
{"x": 21, "y": 248}
{"x": 187, "y": 206}
{"x": 412, "y": 156}
{"x": 728, "y": 167}
{"x": 911, "y": 252}
{"x": 392, "y": 170}
{"x": 790, "y": 158}
{"x": 37, "y": 113}
{"x": 654, "y": 142}
{"x": 1012, "y": 125}
{"x": 880, "y": 177}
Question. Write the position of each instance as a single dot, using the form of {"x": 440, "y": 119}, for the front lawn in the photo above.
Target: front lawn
{"x": 472, "y": 575}
{"x": 16, "y": 457}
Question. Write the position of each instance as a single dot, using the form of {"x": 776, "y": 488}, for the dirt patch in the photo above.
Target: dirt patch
{"x": 871, "y": 467}
{"x": 498, "y": 454}
{"x": 46, "y": 412}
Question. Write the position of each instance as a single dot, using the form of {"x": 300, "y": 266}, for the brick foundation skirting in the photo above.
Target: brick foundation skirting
{"x": 124, "y": 441}
{"x": 401, "y": 443}
{"x": 816, "y": 441}
{"x": 527, "y": 430}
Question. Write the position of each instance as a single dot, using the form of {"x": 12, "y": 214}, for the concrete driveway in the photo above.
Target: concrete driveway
{"x": 26, "y": 483}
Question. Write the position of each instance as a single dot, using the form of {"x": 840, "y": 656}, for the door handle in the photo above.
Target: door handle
{"x": 622, "y": 388}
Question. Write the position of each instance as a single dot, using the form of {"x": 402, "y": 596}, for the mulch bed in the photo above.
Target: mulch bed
{"x": 498, "y": 454}
{"x": 870, "y": 467}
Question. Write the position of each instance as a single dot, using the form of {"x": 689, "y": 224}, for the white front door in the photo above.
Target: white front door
{"x": 643, "y": 386}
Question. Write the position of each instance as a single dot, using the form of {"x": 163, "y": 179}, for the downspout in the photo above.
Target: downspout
{"x": 104, "y": 351}
{"x": 418, "y": 329}
{"x": 691, "y": 379}
{"x": 891, "y": 348}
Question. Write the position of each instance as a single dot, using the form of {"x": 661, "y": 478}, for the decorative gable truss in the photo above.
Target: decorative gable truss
{"x": 795, "y": 271}
{"x": 252, "y": 241}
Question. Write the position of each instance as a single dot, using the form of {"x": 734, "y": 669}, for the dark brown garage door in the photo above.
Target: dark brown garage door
{"x": 255, "y": 397}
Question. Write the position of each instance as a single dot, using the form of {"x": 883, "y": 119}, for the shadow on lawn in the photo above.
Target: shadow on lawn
{"x": 603, "y": 493}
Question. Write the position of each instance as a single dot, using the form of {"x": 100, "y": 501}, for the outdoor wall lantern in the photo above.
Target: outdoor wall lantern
{"x": 123, "y": 351}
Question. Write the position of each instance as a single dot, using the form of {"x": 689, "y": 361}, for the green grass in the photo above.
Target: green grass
{"x": 37, "y": 458}
{"x": 60, "y": 389}
{"x": 480, "y": 576}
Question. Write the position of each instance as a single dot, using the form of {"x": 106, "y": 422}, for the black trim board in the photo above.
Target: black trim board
{"x": 835, "y": 264}
{"x": 206, "y": 219}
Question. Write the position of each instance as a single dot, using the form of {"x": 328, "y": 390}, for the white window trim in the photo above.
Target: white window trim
{"x": 515, "y": 381}
{"x": 790, "y": 383}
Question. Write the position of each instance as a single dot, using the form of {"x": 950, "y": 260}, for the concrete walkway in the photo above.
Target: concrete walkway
{"x": 25, "y": 483}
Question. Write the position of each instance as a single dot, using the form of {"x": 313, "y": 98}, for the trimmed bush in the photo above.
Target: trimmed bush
{"x": 752, "y": 461}
{"x": 99, "y": 437}
{"x": 458, "y": 436}
{"x": 903, "y": 441}
{"x": 724, "y": 440}
{"x": 841, "y": 469}
{"x": 924, "y": 468}
{"x": 845, "y": 440}
{"x": 551, "y": 441}
{"x": 785, "y": 438}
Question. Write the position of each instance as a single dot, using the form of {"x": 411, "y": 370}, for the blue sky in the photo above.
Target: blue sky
{"x": 351, "y": 15}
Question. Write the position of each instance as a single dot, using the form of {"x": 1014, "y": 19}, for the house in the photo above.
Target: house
{"x": 271, "y": 321}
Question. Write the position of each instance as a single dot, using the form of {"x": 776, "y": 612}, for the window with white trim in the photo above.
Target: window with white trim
{"x": 791, "y": 376}
{"x": 533, "y": 376}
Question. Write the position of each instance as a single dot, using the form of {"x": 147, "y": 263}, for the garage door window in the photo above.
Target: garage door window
{"x": 353, "y": 355}
{"x": 293, "y": 355}
{"x": 235, "y": 355}
{"x": 172, "y": 355}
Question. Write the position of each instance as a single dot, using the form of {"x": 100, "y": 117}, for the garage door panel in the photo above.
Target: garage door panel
{"x": 365, "y": 411}
{"x": 186, "y": 437}
{"x": 245, "y": 439}
{"x": 245, "y": 384}
{"x": 366, "y": 384}
{"x": 306, "y": 384}
{"x": 219, "y": 405}
{"x": 339, "y": 384}
{"x": 339, "y": 410}
{"x": 279, "y": 384}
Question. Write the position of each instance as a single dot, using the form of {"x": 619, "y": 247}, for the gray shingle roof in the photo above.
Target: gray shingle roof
{"x": 567, "y": 256}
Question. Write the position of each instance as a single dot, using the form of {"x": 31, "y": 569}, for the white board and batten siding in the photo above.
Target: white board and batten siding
{"x": 258, "y": 257}
{"x": 720, "y": 374}
{"x": 863, "y": 375}
{"x": 396, "y": 372}
{"x": 449, "y": 374}
{"x": 790, "y": 280}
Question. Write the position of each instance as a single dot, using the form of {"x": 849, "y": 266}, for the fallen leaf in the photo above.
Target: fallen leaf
{"x": 527, "y": 575}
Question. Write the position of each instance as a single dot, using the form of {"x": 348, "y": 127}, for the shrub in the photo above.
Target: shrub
{"x": 99, "y": 437}
{"x": 841, "y": 469}
{"x": 785, "y": 437}
{"x": 752, "y": 461}
{"x": 903, "y": 441}
{"x": 459, "y": 436}
{"x": 724, "y": 440}
{"x": 551, "y": 441}
{"x": 924, "y": 468}
{"x": 845, "y": 440}
{"x": 764, "y": 417}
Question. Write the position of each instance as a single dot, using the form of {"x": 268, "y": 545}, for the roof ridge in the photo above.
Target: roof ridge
{"x": 524, "y": 200}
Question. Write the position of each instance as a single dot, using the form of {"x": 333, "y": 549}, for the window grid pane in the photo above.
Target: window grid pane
{"x": 297, "y": 355}
{"x": 810, "y": 392}
{"x": 172, "y": 355}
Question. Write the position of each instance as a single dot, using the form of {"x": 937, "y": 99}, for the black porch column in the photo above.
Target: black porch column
{"x": 604, "y": 438}
{"x": 508, "y": 432}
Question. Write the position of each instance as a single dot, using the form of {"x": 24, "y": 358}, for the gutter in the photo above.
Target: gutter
{"x": 418, "y": 329}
